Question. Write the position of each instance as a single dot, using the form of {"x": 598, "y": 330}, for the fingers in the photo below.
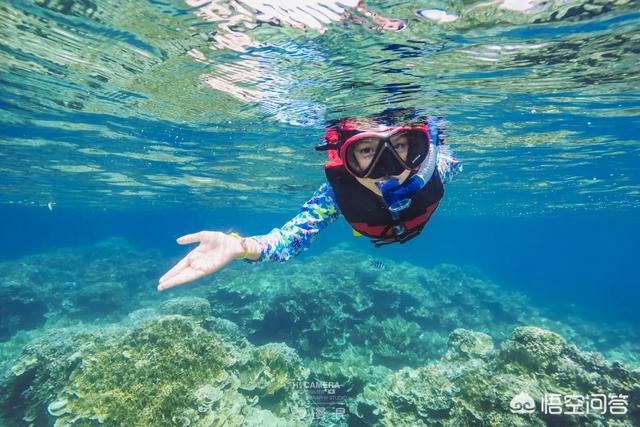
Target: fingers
{"x": 186, "y": 275}
{"x": 193, "y": 266}
{"x": 181, "y": 265}
{"x": 184, "y": 262}
{"x": 189, "y": 238}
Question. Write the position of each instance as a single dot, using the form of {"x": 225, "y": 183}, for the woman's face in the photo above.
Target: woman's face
{"x": 363, "y": 156}
{"x": 365, "y": 149}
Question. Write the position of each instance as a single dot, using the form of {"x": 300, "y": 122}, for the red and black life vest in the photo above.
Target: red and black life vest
{"x": 367, "y": 213}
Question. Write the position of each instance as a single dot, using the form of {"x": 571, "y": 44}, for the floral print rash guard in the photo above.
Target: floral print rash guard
{"x": 283, "y": 243}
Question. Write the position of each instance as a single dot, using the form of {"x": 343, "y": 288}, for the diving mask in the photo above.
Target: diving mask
{"x": 375, "y": 155}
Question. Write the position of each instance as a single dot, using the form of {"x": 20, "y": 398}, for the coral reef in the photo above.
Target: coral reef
{"x": 43, "y": 368}
{"x": 473, "y": 384}
{"x": 394, "y": 342}
{"x": 197, "y": 308}
{"x": 406, "y": 345}
{"x": 21, "y": 307}
{"x": 172, "y": 371}
{"x": 312, "y": 306}
{"x": 99, "y": 299}
{"x": 107, "y": 281}
{"x": 400, "y": 316}
{"x": 167, "y": 370}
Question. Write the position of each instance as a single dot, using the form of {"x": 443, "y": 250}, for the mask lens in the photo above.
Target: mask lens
{"x": 411, "y": 146}
{"x": 360, "y": 154}
{"x": 400, "y": 151}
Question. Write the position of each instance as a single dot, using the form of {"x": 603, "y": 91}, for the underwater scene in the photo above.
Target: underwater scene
{"x": 320, "y": 213}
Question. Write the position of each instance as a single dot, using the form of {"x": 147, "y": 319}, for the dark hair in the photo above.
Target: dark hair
{"x": 388, "y": 117}
{"x": 337, "y": 131}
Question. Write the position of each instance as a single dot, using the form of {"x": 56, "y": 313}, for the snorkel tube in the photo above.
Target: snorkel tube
{"x": 398, "y": 197}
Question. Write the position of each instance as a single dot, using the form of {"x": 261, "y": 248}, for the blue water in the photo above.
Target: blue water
{"x": 151, "y": 120}
{"x": 588, "y": 261}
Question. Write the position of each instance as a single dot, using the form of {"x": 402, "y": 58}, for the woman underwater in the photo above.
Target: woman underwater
{"x": 386, "y": 179}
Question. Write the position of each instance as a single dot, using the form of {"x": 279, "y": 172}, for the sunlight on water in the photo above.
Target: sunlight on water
{"x": 122, "y": 102}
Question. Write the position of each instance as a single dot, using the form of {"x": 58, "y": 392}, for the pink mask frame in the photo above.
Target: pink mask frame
{"x": 384, "y": 136}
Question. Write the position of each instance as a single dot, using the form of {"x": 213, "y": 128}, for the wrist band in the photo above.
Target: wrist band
{"x": 243, "y": 243}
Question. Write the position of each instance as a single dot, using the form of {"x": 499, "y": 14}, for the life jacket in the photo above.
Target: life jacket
{"x": 367, "y": 213}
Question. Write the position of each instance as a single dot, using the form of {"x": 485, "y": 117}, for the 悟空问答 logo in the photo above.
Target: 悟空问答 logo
{"x": 522, "y": 403}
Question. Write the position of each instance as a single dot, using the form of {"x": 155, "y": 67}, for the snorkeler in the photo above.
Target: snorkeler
{"x": 387, "y": 180}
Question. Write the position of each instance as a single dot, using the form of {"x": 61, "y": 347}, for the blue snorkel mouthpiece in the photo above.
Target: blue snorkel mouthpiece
{"x": 397, "y": 197}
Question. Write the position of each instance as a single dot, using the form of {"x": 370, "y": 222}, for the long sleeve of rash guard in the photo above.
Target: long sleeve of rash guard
{"x": 281, "y": 244}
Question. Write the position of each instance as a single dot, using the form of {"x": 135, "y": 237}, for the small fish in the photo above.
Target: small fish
{"x": 377, "y": 264}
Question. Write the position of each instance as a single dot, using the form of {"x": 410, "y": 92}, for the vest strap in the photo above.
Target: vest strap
{"x": 396, "y": 239}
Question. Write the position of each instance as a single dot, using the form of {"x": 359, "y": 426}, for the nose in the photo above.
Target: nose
{"x": 387, "y": 164}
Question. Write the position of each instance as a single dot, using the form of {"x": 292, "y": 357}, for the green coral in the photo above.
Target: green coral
{"x": 168, "y": 370}
{"x": 396, "y": 342}
{"x": 401, "y": 342}
{"x": 534, "y": 348}
{"x": 318, "y": 309}
{"x": 474, "y": 383}
{"x": 197, "y": 308}
{"x": 273, "y": 372}
{"x": 465, "y": 344}
{"x": 43, "y": 369}
{"x": 153, "y": 365}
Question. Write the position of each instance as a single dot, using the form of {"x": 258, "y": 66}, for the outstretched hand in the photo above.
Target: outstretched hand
{"x": 215, "y": 250}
